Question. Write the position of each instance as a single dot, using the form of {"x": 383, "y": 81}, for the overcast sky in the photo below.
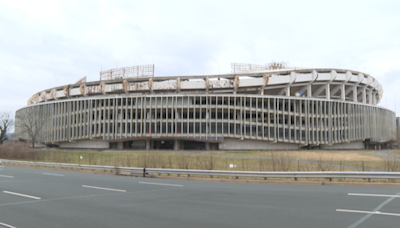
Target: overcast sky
{"x": 45, "y": 44}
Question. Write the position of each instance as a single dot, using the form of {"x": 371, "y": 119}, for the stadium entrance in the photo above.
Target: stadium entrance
{"x": 162, "y": 144}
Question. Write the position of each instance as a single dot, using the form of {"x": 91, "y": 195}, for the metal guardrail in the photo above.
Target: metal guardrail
{"x": 265, "y": 175}
{"x": 149, "y": 172}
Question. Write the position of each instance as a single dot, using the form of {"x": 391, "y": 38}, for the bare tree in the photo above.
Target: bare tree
{"x": 29, "y": 124}
{"x": 6, "y": 124}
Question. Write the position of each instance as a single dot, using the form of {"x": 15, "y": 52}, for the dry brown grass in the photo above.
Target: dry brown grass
{"x": 316, "y": 155}
{"x": 19, "y": 151}
{"x": 395, "y": 152}
{"x": 335, "y": 156}
{"x": 214, "y": 160}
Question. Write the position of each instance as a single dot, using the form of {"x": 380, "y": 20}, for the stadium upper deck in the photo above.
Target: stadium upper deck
{"x": 337, "y": 84}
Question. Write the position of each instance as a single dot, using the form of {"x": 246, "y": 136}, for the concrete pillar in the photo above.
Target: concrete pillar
{"x": 148, "y": 144}
{"x": 309, "y": 91}
{"x": 176, "y": 144}
{"x": 370, "y": 97}
{"x": 354, "y": 93}
{"x": 374, "y": 99}
{"x": 364, "y": 96}
{"x": 207, "y": 146}
{"x": 120, "y": 145}
{"x": 328, "y": 91}
{"x": 342, "y": 92}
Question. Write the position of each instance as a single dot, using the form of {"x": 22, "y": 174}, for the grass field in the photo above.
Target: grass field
{"x": 395, "y": 152}
{"x": 362, "y": 155}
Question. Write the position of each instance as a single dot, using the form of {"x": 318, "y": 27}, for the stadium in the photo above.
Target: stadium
{"x": 255, "y": 107}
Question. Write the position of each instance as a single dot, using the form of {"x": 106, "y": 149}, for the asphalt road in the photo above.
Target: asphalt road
{"x": 46, "y": 198}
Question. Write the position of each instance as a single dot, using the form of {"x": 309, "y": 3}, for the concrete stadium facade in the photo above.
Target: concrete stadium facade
{"x": 285, "y": 109}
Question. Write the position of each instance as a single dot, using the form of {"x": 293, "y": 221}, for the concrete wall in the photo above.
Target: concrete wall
{"x": 249, "y": 144}
{"x": 89, "y": 144}
{"x": 344, "y": 146}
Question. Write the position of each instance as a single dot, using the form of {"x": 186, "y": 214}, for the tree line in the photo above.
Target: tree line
{"x": 6, "y": 125}
{"x": 28, "y": 124}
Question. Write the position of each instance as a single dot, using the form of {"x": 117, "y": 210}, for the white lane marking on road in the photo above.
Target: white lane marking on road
{"x": 6, "y": 176}
{"x": 1, "y": 166}
{"x": 109, "y": 189}
{"x": 6, "y": 225}
{"x": 368, "y": 212}
{"x": 361, "y": 220}
{"x": 54, "y": 174}
{"x": 173, "y": 185}
{"x": 19, "y": 194}
{"x": 377, "y": 195}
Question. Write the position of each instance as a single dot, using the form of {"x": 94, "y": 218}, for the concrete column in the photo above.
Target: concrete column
{"x": 328, "y": 91}
{"x": 374, "y": 99}
{"x": 354, "y": 93}
{"x": 120, "y": 145}
{"x": 176, "y": 144}
{"x": 364, "y": 96}
{"x": 207, "y": 146}
{"x": 370, "y": 97}
{"x": 148, "y": 145}
{"x": 309, "y": 91}
{"x": 342, "y": 92}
